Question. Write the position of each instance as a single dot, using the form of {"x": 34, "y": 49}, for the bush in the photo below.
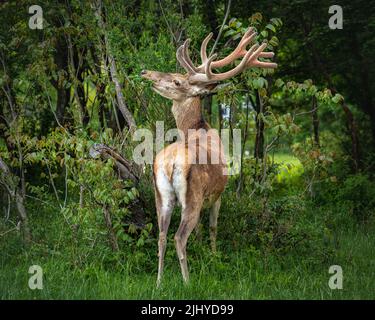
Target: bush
{"x": 357, "y": 195}
{"x": 273, "y": 225}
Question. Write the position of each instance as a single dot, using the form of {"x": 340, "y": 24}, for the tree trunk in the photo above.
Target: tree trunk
{"x": 61, "y": 58}
{"x": 259, "y": 137}
{"x": 353, "y": 131}
{"x": 111, "y": 233}
{"x": 100, "y": 85}
{"x": 219, "y": 111}
{"x": 120, "y": 97}
{"x": 63, "y": 97}
{"x": 315, "y": 121}
{"x": 76, "y": 74}
{"x": 23, "y": 216}
{"x": 15, "y": 192}
{"x": 99, "y": 13}
{"x": 207, "y": 105}
{"x": 365, "y": 93}
{"x": 80, "y": 68}
{"x": 240, "y": 179}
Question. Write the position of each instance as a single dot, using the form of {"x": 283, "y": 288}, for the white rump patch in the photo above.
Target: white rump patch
{"x": 166, "y": 191}
{"x": 180, "y": 185}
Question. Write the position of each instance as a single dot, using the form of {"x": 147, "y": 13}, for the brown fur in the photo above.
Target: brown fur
{"x": 175, "y": 174}
{"x": 204, "y": 182}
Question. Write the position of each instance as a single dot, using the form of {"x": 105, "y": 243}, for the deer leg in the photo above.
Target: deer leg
{"x": 198, "y": 230}
{"x": 189, "y": 220}
{"x": 214, "y": 214}
{"x": 164, "y": 220}
{"x": 164, "y": 205}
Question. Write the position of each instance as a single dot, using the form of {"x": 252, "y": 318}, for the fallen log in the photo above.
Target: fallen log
{"x": 127, "y": 170}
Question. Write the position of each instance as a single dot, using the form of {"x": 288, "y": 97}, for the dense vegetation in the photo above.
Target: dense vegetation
{"x": 73, "y": 202}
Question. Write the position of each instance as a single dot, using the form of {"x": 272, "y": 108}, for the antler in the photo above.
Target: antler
{"x": 204, "y": 73}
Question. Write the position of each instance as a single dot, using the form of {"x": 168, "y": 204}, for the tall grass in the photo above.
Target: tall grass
{"x": 229, "y": 275}
{"x": 248, "y": 264}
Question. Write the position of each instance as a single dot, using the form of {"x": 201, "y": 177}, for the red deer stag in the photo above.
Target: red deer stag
{"x": 177, "y": 175}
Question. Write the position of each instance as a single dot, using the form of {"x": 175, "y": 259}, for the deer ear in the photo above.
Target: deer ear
{"x": 207, "y": 89}
{"x": 211, "y": 86}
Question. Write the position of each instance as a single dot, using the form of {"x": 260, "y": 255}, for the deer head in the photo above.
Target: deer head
{"x": 201, "y": 80}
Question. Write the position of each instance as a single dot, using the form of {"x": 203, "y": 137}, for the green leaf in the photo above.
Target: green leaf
{"x": 264, "y": 33}
{"x": 338, "y": 98}
{"x": 276, "y": 21}
{"x": 229, "y": 33}
{"x": 279, "y": 83}
{"x": 271, "y": 27}
{"x": 232, "y": 23}
{"x": 274, "y": 41}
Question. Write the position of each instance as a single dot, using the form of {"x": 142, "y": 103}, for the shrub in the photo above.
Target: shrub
{"x": 357, "y": 194}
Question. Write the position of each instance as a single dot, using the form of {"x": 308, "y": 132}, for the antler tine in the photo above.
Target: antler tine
{"x": 249, "y": 60}
{"x": 204, "y": 48}
{"x": 254, "y": 62}
{"x": 249, "y": 56}
{"x": 266, "y": 55}
{"x": 184, "y": 59}
{"x": 207, "y": 66}
{"x": 204, "y": 74}
{"x": 239, "y": 52}
{"x": 181, "y": 60}
{"x": 187, "y": 56}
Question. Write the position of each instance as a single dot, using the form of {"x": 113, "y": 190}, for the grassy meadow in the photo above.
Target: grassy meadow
{"x": 238, "y": 271}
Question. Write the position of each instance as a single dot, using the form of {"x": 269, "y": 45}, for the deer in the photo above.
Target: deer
{"x": 177, "y": 176}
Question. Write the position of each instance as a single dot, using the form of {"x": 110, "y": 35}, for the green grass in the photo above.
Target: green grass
{"x": 229, "y": 275}
{"x": 246, "y": 267}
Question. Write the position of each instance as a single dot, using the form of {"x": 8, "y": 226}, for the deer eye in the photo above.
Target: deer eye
{"x": 177, "y": 83}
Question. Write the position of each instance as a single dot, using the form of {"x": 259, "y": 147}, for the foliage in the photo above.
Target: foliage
{"x": 300, "y": 201}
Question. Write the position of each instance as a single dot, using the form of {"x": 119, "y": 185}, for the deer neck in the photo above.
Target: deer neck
{"x": 188, "y": 115}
